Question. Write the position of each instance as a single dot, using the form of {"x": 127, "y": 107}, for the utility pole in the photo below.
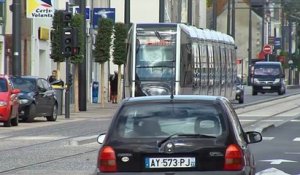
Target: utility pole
{"x": 190, "y": 12}
{"x": 16, "y": 8}
{"x": 233, "y": 19}
{"x": 228, "y": 17}
{"x": 282, "y": 28}
{"x": 127, "y": 13}
{"x": 290, "y": 50}
{"x": 214, "y": 21}
{"x": 82, "y": 67}
{"x": 161, "y": 10}
{"x": 250, "y": 43}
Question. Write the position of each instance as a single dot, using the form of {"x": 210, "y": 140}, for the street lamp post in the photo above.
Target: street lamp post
{"x": 250, "y": 43}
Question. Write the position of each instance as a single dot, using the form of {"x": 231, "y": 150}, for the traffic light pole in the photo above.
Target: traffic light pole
{"x": 67, "y": 91}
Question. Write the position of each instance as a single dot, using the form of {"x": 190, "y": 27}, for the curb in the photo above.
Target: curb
{"x": 83, "y": 140}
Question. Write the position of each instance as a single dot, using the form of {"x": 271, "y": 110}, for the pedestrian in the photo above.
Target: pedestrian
{"x": 53, "y": 76}
{"x": 114, "y": 87}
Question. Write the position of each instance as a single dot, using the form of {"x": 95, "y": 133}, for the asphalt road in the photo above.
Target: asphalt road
{"x": 279, "y": 152}
{"x": 55, "y": 147}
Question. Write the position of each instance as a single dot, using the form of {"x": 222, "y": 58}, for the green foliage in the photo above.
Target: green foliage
{"x": 56, "y": 34}
{"x": 103, "y": 41}
{"x": 119, "y": 53}
{"x": 77, "y": 21}
{"x": 208, "y": 3}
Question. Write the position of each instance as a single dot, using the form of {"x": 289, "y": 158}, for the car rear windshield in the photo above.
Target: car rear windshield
{"x": 24, "y": 84}
{"x": 3, "y": 85}
{"x": 164, "y": 119}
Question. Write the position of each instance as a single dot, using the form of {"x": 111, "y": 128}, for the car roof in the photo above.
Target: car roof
{"x": 26, "y": 76}
{"x": 268, "y": 63}
{"x": 177, "y": 98}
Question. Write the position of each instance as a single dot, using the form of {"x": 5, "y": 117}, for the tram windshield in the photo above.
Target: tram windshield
{"x": 155, "y": 53}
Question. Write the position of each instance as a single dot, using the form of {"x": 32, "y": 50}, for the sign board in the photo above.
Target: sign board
{"x": 39, "y": 9}
{"x": 267, "y": 49}
{"x": 76, "y": 9}
{"x": 271, "y": 40}
{"x": 277, "y": 43}
{"x": 99, "y": 13}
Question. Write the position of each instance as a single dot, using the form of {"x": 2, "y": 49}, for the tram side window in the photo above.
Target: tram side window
{"x": 186, "y": 69}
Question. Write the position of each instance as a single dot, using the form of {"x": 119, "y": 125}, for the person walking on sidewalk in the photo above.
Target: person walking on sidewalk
{"x": 114, "y": 87}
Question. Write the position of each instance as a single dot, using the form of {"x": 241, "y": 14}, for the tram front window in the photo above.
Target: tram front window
{"x": 155, "y": 54}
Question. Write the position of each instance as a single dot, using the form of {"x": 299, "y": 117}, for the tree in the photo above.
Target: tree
{"x": 119, "y": 53}
{"x": 77, "y": 21}
{"x": 102, "y": 48}
{"x": 56, "y": 34}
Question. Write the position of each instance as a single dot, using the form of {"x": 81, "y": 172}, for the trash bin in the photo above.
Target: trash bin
{"x": 95, "y": 90}
{"x": 59, "y": 93}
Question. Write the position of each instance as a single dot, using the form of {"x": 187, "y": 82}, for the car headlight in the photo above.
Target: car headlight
{"x": 238, "y": 91}
{"x": 155, "y": 91}
{"x": 23, "y": 101}
{"x": 256, "y": 81}
{"x": 277, "y": 80}
{"x": 3, "y": 103}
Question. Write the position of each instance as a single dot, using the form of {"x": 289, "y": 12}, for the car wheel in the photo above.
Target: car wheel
{"x": 15, "y": 121}
{"x": 241, "y": 100}
{"x": 254, "y": 92}
{"x": 30, "y": 113}
{"x": 53, "y": 117}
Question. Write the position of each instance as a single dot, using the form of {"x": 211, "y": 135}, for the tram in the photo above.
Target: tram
{"x": 171, "y": 57}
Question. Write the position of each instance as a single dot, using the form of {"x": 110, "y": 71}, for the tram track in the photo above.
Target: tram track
{"x": 46, "y": 161}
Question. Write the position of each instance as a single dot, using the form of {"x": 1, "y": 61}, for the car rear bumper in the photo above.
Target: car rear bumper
{"x": 180, "y": 173}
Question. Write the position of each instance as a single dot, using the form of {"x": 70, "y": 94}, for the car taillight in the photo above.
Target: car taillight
{"x": 234, "y": 159}
{"x": 107, "y": 160}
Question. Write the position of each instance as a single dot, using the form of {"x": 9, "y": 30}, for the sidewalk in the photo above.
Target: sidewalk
{"x": 94, "y": 110}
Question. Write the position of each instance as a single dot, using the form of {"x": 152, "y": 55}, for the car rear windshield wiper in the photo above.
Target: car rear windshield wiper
{"x": 183, "y": 135}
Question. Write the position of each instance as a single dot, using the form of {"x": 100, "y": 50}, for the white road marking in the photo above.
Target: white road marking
{"x": 295, "y": 120}
{"x": 297, "y": 139}
{"x": 271, "y": 171}
{"x": 278, "y": 161}
{"x": 37, "y": 138}
{"x": 293, "y": 153}
{"x": 268, "y": 138}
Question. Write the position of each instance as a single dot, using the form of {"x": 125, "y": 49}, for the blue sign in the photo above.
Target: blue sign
{"x": 99, "y": 13}
{"x": 87, "y": 12}
{"x": 95, "y": 90}
{"x": 277, "y": 43}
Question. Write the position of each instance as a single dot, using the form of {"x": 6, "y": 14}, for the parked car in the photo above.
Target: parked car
{"x": 37, "y": 98}
{"x": 9, "y": 103}
{"x": 240, "y": 90}
{"x": 268, "y": 77}
{"x": 182, "y": 135}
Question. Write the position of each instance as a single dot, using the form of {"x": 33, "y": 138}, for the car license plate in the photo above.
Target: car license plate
{"x": 266, "y": 87}
{"x": 170, "y": 162}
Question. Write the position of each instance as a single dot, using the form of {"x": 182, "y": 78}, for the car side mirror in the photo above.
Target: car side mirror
{"x": 101, "y": 138}
{"x": 15, "y": 91}
{"x": 253, "y": 137}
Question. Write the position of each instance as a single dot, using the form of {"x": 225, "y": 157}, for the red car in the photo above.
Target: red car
{"x": 9, "y": 102}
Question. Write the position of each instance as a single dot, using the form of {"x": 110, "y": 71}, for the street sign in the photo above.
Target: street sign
{"x": 87, "y": 11}
{"x": 99, "y": 13}
{"x": 277, "y": 43}
{"x": 267, "y": 49}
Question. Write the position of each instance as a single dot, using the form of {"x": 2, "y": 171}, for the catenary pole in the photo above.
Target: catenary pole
{"x": 16, "y": 64}
{"x": 82, "y": 67}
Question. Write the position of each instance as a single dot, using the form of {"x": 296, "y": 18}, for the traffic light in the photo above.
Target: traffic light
{"x": 70, "y": 80}
{"x": 66, "y": 41}
{"x": 75, "y": 42}
{"x": 66, "y": 18}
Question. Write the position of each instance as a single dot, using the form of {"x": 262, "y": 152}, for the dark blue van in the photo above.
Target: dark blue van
{"x": 268, "y": 77}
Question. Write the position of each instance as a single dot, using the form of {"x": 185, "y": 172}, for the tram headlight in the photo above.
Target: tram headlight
{"x": 154, "y": 90}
